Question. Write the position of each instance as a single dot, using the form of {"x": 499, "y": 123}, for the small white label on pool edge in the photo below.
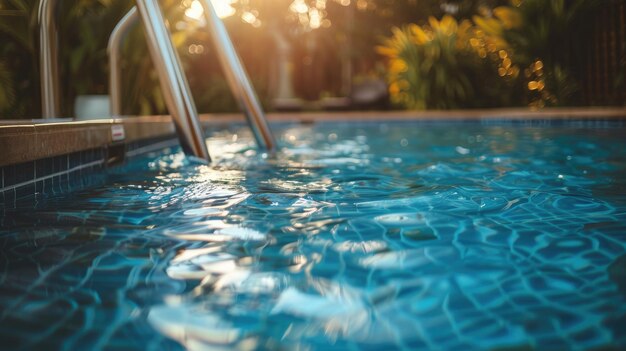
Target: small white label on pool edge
{"x": 117, "y": 132}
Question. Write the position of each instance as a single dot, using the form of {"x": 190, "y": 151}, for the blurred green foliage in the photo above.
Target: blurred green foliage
{"x": 535, "y": 49}
{"x": 478, "y": 53}
{"x": 84, "y": 29}
{"x": 444, "y": 64}
{"x": 18, "y": 90}
{"x": 558, "y": 34}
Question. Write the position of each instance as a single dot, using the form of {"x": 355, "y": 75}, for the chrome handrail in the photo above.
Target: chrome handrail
{"x": 172, "y": 78}
{"x": 48, "y": 59}
{"x": 238, "y": 79}
{"x": 114, "y": 49}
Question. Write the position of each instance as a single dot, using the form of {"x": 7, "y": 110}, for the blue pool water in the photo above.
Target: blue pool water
{"x": 371, "y": 236}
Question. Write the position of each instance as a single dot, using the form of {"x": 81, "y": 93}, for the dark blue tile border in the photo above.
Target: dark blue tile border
{"x": 49, "y": 176}
{"x": 8, "y": 175}
{"x": 29, "y": 181}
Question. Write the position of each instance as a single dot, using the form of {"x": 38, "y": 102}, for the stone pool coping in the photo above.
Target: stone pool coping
{"x": 22, "y": 141}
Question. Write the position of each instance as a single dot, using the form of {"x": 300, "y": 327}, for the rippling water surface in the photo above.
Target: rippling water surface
{"x": 354, "y": 236}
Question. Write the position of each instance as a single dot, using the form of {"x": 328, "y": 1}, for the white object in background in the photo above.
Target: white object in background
{"x": 92, "y": 107}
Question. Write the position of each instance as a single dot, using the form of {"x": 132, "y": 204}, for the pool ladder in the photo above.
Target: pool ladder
{"x": 176, "y": 92}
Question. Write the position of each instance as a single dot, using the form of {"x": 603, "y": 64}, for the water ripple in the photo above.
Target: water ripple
{"x": 360, "y": 236}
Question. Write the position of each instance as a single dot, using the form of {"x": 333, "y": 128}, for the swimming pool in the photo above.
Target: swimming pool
{"x": 398, "y": 235}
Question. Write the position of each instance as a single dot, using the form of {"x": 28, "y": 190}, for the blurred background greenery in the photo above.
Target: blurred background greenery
{"x": 339, "y": 54}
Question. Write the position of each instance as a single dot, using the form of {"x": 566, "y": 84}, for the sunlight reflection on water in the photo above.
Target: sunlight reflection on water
{"x": 366, "y": 236}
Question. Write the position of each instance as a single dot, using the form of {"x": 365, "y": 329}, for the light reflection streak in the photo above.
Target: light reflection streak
{"x": 228, "y": 281}
{"x": 194, "y": 330}
{"x": 188, "y": 254}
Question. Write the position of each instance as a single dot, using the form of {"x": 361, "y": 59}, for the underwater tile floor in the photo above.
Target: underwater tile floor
{"x": 405, "y": 235}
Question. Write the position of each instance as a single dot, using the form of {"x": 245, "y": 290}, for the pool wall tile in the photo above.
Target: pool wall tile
{"x": 75, "y": 159}
{"x": 39, "y": 187}
{"x": 53, "y": 158}
{"x": 9, "y": 197}
{"x": 51, "y": 175}
{"x": 25, "y": 191}
{"x": 8, "y": 173}
{"x": 47, "y": 185}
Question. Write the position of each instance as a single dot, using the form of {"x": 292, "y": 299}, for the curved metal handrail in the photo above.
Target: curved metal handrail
{"x": 114, "y": 50}
{"x": 238, "y": 79}
{"x": 173, "y": 82}
{"x": 48, "y": 59}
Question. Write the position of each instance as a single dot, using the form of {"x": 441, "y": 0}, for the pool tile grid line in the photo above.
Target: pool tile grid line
{"x": 152, "y": 147}
{"x": 49, "y": 176}
{"x": 57, "y": 174}
{"x": 56, "y": 183}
